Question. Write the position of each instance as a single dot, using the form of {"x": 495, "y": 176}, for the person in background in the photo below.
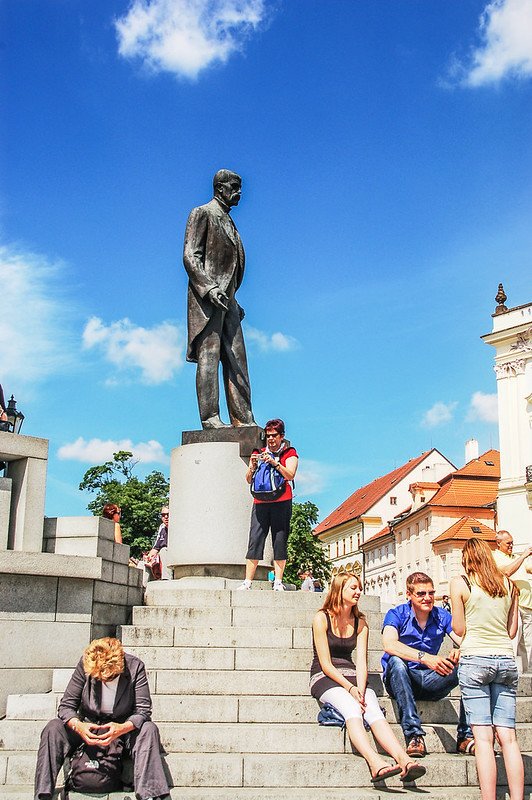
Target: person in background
{"x": 4, "y": 424}
{"x": 317, "y": 586}
{"x": 445, "y": 603}
{"x": 307, "y": 581}
{"x": 519, "y": 569}
{"x": 114, "y": 512}
{"x": 160, "y": 546}
{"x": 271, "y": 515}
{"x": 412, "y": 635}
{"x": 485, "y": 614}
{"x": 338, "y": 628}
{"x": 108, "y": 691}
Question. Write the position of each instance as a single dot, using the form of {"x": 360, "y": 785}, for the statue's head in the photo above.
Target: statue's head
{"x": 227, "y": 187}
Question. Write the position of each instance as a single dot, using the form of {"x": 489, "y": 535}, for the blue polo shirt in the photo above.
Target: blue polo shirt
{"x": 403, "y": 619}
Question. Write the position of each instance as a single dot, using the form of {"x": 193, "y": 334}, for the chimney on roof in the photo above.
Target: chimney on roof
{"x": 471, "y": 450}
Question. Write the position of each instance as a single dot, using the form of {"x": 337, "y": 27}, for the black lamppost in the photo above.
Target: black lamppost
{"x": 15, "y": 418}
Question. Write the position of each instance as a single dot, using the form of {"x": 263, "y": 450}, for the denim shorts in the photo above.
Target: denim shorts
{"x": 489, "y": 687}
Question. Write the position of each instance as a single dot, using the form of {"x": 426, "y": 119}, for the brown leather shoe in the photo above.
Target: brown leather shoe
{"x": 416, "y": 747}
{"x": 466, "y": 746}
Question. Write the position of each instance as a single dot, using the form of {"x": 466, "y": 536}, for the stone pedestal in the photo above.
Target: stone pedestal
{"x": 210, "y": 510}
{"x": 5, "y": 505}
{"x": 26, "y": 459}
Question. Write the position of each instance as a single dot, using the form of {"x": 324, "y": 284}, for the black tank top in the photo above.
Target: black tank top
{"x": 341, "y": 649}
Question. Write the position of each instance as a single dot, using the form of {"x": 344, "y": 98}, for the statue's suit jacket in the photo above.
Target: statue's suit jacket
{"x": 213, "y": 256}
{"x": 83, "y": 696}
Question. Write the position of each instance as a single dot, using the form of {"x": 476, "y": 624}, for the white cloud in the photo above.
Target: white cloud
{"x": 96, "y": 451}
{"x": 483, "y": 407}
{"x": 439, "y": 414}
{"x": 186, "y": 36}
{"x": 278, "y": 342}
{"x": 506, "y": 49}
{"x": 312, "y": 477}
{"x": 157, "y": 352}
{"x": 34, "y": 322}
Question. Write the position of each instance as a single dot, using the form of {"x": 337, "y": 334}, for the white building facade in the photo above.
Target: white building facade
{"x": 346, "y": 532}
{"x": 512, "y": 339}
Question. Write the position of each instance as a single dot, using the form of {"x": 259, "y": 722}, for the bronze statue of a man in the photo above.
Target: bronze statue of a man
{"x": 214, "y": 260}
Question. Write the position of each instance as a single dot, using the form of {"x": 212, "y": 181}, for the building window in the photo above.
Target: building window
{"x": 443, "y": 561}
{"x": 351, "y": 543}
{"x": 393, "y": 501}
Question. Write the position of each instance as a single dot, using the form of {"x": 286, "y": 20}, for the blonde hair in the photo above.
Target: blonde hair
{"x": 103, "y": 659}
{"x": 334, "y": 598}
{"x": 479, "y": 564}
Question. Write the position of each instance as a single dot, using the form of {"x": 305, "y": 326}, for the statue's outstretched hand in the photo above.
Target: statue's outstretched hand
{"x": 218, "y": 298}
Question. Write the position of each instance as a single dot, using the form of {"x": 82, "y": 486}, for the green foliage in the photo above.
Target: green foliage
{"x": 140, "y": 500}
{"x": 304, "y": 549}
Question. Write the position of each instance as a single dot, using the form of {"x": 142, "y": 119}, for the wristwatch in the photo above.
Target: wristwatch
{"x": 420, "y": 655}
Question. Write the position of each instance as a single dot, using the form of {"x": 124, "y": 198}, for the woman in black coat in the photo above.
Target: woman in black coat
{"x": 107, "y": 697}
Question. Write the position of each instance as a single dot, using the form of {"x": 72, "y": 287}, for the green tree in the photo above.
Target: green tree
{"x": 140, "y": 500}
{"x": 304, "y": 549}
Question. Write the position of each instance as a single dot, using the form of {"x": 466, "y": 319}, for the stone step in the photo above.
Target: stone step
{"x": 288, "y": 793}
{"x": 217, "y": 708}
{"x": 220, "y": 636}
{"x": 169, "y": 593}
{"x": 223, "y": 616}
{"x": 242, "y": 737}
{"x": 32, "y": 706}
{"x": 280, "y": 770}
{"x": 226, "y": 708}
{"x": 224, "y": 658}
{"x": 211, "y": 682}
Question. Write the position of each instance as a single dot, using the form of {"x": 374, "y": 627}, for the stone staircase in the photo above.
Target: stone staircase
{"x": 228, "y": 673}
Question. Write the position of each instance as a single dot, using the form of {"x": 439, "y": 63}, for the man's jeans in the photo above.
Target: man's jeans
{"x": 408, "y": 685}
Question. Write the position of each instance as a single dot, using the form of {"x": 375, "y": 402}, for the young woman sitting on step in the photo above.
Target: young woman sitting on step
{"x": 338, "y": 628}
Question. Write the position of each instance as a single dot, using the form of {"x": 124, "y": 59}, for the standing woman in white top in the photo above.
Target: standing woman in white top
{"x": 485, "y": 614}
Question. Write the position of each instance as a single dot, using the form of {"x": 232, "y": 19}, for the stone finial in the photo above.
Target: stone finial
{"x": 500, "y": 298}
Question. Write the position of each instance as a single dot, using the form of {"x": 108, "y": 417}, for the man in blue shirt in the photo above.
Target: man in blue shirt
{"x": 412, "y": 635}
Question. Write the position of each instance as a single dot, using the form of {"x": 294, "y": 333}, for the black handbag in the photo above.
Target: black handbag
{"x": 95, "y": 769}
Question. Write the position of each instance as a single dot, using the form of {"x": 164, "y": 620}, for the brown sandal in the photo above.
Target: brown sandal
{"x": 413, "y": 771}
{"x": 385, "y": 772}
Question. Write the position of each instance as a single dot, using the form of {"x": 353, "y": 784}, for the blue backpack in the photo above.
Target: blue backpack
{"x": 267, "y": 482}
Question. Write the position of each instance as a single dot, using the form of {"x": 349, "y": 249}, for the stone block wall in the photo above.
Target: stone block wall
{"x": 52, "y": 604}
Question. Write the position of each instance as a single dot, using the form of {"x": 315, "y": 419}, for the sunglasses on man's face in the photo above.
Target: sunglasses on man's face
{"x": 422, "y": 594}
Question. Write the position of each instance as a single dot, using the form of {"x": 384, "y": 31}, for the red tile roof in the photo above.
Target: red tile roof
{"x": 363, "y": 499}
{"x": 462, "y": 530}
{"x": 488, "y": 465}
{"x": 469, "y": 493}
{"x": 472, "y": 486}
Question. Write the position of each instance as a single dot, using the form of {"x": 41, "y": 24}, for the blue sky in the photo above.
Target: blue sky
{"x": 386, "y": 163}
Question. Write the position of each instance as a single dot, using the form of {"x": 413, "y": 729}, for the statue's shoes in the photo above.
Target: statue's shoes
{"x": 214, "y": 422}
